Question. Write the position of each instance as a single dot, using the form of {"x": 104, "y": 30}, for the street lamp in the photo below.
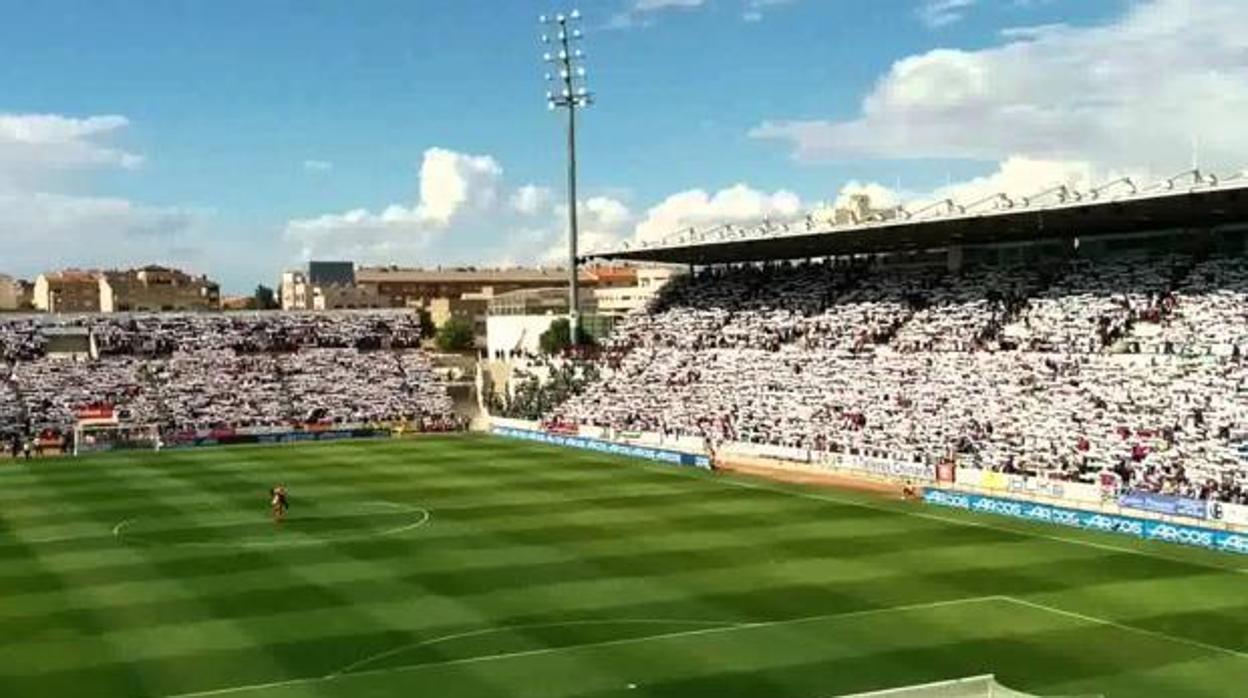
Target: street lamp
{"x": 566, "y": 90}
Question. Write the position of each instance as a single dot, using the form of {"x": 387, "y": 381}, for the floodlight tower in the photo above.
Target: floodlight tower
{"x": 566, "y": 90}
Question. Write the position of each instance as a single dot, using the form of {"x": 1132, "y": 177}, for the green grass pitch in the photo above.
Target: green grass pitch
{"x": 473, "y": 566}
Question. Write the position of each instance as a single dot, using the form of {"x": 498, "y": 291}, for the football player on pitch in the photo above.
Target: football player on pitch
{"x": 278, "y": 503}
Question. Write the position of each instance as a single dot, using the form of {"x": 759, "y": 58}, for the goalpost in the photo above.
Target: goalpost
{"x": 95, "y": 437}
{"x": 985, "y": 686}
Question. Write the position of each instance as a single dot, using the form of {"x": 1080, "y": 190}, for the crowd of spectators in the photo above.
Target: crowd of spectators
{"x": 1130, "y": 364}
{"x": 203, "y": 371}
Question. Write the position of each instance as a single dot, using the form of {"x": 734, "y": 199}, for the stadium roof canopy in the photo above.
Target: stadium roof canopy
{"x": 458, "y": 275}
{"x": 1203, "y": 203}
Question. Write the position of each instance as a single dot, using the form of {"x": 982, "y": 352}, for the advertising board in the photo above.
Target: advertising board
{"x": 882, "y": 467}
{"x": 94, "y": 412}
{"x": 1164, "y": 504}
{"x": 221, "y": 437}
{"x": 1025, "y": 486}
{"x": 1148, "y": 529}
{"x": 630, "y": 450}
{"x": 1233, "y": 514}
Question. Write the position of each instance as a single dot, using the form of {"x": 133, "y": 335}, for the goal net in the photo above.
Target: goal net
{"x": 95, "y": 438}
{"x": 974, "y": 687}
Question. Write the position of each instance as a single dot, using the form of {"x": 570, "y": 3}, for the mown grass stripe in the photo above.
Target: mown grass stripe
{"x": 736, "y": 627}
{"x": 1218, "y": 649}
{"x": 534, "y": 535}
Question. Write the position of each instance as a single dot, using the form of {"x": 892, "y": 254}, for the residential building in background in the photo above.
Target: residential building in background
{"x": 238, "y": 302}
{"x": 294, "y": 292}
{"x": 325, "y": 274}
{"x": 157, "y": 289}
{"x": 471, "y": 308}
{"x": 9, "y": 291}
{"x": 516, "y": 320}
{"x": 336, "y": 289}
{"x": 644, "y": 284}
{"x": 25, "y": 294}
{"x": 854, "y": 210}
{"x": 68, "y": 291}
{"x": 612, "y": 277}
{"x": 416, "y": 288}
{"x": 146, "y": 289}
{"x": 339, "y": 297}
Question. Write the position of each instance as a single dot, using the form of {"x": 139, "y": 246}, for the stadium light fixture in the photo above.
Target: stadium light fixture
{"x": 561, "y": 29}
{"x": 999, "y": 201}
{"x": 943, "y": 207}
{"x": 1169, "y": 183}
{"x": 1095, "y": 192}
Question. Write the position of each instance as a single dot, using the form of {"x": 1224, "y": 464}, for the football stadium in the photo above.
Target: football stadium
{"x": 981, "y": 443}
{"x": 949, "y": 465}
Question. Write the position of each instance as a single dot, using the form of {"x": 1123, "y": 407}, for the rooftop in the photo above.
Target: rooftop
{"x": 73, "y": 276}
{"x": 461, "y": 275}
{"x": 1204, "y": 202}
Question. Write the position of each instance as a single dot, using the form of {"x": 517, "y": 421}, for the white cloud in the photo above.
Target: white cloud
{"x": 46, "y": 223}
{"x": 467, "y": 213}
{"x": 656, "y": 5}
{"x": 880, "y": 195}
{"x": 607, "y": 212}
{"x": 754, "y": 9}
{"x": 602, "y": 223}
{"x": 1016, "y": 177}
{"x": 36, "y": 148}
{"x": 47, "y": 230}
{"x": 450, "y": 181}
{"x": 697, "y": 208}
{"x": 1130, "y": 94}
{"x": 464, "y": 211}
{"x": 530, "y": 199}
{"x": 317, "y": 166}
{"x": 942, "y": 13}
{"x": 1019, "y": 176}
{"x": 525, "y": 225}
{"x": 453, "y": 187}
{"x": 640, "y": 13}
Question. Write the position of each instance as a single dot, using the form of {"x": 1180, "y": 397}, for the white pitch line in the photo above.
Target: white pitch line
{"x": 350, "y": 668}
{"x": 51, "y": 540}
{"x": 1130, "y": 628}
{"x": 426, "y": 516}
{"x": 589, "y": 645}
{"x": 122, "y": 525}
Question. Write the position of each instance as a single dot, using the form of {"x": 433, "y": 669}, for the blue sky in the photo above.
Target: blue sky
{"x": 239, "y": 136}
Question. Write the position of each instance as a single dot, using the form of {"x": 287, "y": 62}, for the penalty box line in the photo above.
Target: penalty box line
{"x": 1028, "y": 534}
{"x": 718, "y": 630}
{"x": 1156, "y": 634}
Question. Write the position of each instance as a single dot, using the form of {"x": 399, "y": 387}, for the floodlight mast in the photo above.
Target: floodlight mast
{"x": 568, "y": 92}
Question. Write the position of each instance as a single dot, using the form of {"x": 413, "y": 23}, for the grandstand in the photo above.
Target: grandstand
{"x": 481, "y": 567}
{"x": 195, "y": 372}
{"x": 1093, "y": 334}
